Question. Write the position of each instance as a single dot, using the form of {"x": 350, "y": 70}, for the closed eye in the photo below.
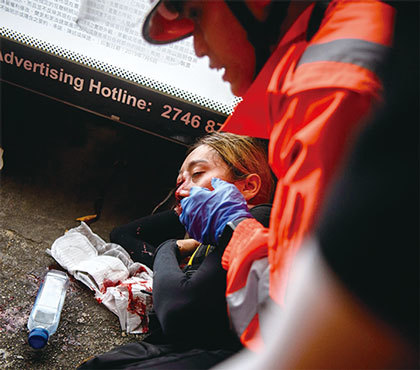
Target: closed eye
{"x": 197, "y": 174}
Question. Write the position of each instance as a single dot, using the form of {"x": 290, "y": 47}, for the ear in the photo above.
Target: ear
{"x": 250, "y": 186}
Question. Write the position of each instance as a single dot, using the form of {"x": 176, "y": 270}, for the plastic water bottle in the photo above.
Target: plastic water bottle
{"x": 45, "y": 315}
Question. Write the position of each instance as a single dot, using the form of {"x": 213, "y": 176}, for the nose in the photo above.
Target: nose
{"x": 182, "y": 191}
{"x": 200, "y": 46}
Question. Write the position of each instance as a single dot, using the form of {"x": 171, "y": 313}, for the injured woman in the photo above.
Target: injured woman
{"x": 190, "y": 326}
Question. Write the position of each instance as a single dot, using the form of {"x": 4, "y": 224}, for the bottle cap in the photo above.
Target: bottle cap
{"x": 38, "y": 338}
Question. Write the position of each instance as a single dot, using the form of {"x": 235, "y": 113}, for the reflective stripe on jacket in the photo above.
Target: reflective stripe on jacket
{"x": 246, "y": 262}
{"x": 309, "y": 99}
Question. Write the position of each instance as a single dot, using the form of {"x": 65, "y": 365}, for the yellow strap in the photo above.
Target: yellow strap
{"x": 208, "y": 249}
{"x": 192, "y": 256}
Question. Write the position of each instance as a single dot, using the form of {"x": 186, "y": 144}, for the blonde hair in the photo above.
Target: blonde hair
{"x": 244, "y": 155}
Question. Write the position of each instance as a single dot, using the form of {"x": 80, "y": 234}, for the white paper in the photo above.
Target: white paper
{"x": 122, "y": 285}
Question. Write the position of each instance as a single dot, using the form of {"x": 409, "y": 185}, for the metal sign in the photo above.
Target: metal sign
{"x": 101, "y": 93}
{"x": 91, "y": 55}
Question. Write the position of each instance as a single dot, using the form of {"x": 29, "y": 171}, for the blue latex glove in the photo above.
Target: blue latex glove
{"x": 205, "y": 213}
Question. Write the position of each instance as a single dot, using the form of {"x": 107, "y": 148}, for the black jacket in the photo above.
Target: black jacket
{"x": 190, "y": 303}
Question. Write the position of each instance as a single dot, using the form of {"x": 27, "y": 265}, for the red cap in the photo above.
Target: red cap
{"x": 163, "y": 25}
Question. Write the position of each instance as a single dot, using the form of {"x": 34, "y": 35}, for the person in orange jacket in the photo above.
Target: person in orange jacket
{"x": 308, "y": 73}
{"x": 354, "y": 286}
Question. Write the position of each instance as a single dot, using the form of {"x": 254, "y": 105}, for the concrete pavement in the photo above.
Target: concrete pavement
{"x": 59, "y": 163}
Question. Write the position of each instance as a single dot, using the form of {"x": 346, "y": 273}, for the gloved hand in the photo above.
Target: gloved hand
{"x": 205, "y": 213}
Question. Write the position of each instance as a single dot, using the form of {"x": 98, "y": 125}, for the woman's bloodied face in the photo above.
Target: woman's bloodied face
{"x": 200, "y": 166}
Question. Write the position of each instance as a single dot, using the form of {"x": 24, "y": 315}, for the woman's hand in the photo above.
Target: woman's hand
{"x": 187, "y": 246}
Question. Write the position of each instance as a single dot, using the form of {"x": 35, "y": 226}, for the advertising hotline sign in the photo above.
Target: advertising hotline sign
{"x": 90, "y": 54}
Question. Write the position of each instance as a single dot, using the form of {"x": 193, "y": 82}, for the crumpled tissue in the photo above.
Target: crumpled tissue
{"x": 123, "y": 286}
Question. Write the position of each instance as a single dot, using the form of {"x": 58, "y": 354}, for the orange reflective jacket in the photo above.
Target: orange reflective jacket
{"x": 309, "y": 100}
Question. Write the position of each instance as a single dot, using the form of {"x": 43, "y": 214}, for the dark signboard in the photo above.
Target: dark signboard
{"x": 105, "y": 94}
